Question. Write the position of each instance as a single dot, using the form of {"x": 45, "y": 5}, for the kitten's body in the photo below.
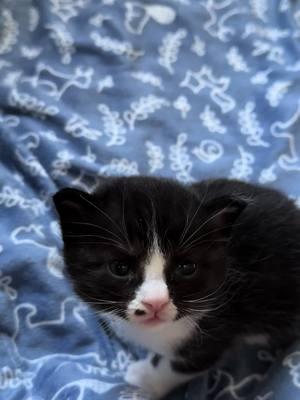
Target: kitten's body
{"x": 223, "y": 255}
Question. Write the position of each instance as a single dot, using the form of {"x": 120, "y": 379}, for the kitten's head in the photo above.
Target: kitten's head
{"x": 146, "y": 249}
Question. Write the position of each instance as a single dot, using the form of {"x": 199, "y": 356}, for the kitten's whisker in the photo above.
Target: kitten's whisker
{"x": 102, "y": 242}
{"x": 188, "y": 224}
{"x": 201, "y": 306}
{"x": 89, "y": 235}
{"x": 104, "y": 324}
{"x": 95, "y": 226}
{"x": 107, "y": 308}
{"x": 195, "y": 326}
{"x": 200, "y": 300}
{"x": 123, "y": 217}
{"x": 209, "y": 295}
{"x": 213, "y": 231}
{"x": 164, "y": 235}
{"x": 221, "y": 300}
{"x": 204, "y": 303}
{"x": 85, "y": 295}
{"x": 96, "y": 236}
{"x": 105, "y": 302}
{"x": 202, "y": 332}
{"x": 108, "y": 292}
{"x": 197, "y": 243}
{"x": 99, "y": 314}
{"x": 204, "y": 310}
{"x": 202, "y": 225}
{"x": 229, "y": 280}
{"x": 189, "y": 244}
{"x": 108, "y": 217}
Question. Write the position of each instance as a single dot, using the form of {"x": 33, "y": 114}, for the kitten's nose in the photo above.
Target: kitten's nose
{"x": 156, "y": 304}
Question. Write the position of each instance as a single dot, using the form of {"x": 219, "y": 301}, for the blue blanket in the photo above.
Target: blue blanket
{"x": 181, "y": 88}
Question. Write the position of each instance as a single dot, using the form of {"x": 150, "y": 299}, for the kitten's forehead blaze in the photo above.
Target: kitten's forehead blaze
{"x": 154, "y": 268}
{"x": 154, "y": 284}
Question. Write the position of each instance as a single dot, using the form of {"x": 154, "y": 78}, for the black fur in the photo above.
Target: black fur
{"x": 247, "y": 252}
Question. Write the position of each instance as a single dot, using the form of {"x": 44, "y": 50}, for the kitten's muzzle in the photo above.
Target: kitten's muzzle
{"x": 151, "y": 310}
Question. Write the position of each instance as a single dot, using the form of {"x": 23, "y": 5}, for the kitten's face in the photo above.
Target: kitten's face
{"x": 144, "y": 249}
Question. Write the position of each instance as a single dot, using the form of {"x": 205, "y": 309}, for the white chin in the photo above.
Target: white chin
{"x": 148, "y": 324}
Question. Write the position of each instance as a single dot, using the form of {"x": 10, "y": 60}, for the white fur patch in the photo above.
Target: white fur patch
{"x": 153, "y": 287}
{"x": 155, "y": 381}
{"x": 154, "y": 269}
{"x": 161, "y": 339}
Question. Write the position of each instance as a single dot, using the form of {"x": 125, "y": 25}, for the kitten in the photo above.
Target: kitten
{"x": 184, "y": 269}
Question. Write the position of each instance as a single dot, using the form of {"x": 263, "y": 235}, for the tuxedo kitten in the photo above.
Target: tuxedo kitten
{"x": 184, "y": 269}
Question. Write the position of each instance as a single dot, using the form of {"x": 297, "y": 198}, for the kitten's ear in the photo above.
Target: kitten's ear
{"x": 224, "y": 211}
{"x": 71, "y": 204}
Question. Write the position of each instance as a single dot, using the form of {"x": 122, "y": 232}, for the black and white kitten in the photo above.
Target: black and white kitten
{"x": 183, "y": 270}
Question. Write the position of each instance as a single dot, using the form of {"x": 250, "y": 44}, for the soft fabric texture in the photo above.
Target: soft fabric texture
{"x": 181, "y": 88}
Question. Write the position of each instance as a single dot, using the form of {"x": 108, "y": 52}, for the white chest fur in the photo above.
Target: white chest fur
{"x": 162, "y": 339}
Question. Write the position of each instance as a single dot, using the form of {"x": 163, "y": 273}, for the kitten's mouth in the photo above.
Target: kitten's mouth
{"x": 152, "y": 321}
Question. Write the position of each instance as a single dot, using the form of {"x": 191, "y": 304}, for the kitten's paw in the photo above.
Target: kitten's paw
{"x": 143, "y": 375}
{"x": 155, "y": 381}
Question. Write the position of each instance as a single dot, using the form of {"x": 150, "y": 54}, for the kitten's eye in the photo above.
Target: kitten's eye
{"x": 186, "y": 270}
{"x": 119, "y": 269}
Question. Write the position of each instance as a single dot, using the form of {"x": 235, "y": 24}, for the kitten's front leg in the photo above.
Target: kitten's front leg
{"x": 159, "y": 375}
{"x": 156, "y": 376}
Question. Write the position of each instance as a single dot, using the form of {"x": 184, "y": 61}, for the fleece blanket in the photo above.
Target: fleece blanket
{"x": 183, "y": 88}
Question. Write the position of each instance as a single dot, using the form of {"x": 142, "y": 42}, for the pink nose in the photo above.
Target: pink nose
{"x": 155, "y": 304}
